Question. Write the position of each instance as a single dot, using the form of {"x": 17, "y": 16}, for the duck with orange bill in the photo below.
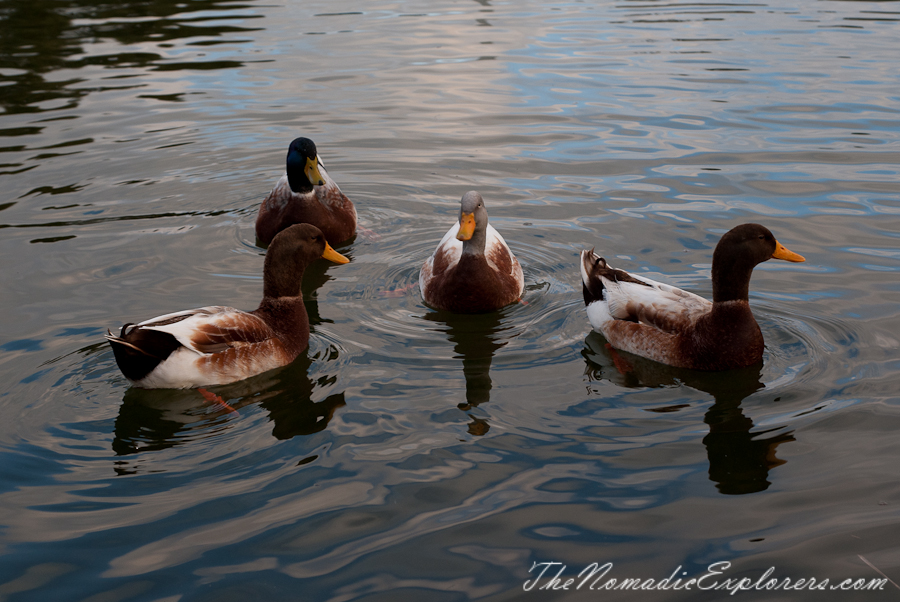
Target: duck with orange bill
{"x": 472, "y": 270}
{"x": 306, "y": 194}
{"x": 678, "y": 328}
{"x": 218, "y": 345}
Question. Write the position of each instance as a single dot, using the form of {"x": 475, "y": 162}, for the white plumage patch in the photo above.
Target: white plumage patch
{"x": 220, "y": 345}
{"x": 598, "y": 315}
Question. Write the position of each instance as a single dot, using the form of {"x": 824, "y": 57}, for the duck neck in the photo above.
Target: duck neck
{"x": 282, "y": 284}
{"x": 299, "y": 183}
{"x": 731, "y": 280}
{"x": 474, "y": 247}
{"x": 288, "y": 318}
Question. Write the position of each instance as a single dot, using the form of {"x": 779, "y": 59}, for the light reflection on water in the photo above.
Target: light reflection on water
{"x": 408, "y": 449}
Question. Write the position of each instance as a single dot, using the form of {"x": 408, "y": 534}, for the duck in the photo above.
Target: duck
{"x": 675, "y": 327}
{"x": 472, "y": 270}
{"x": 306, "y": 194}
{"x": 218, "y": 345}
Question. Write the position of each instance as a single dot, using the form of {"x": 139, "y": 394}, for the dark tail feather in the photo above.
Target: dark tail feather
{"x": 140, "y": 351}
{"x": 592, "y": 285}
{"x": 596, "y": 268}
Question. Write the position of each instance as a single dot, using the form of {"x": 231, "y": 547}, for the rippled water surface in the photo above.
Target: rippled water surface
{"x": 412, "y": 454}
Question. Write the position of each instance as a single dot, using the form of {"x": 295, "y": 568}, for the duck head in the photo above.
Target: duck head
{"x": 739, "y": 251}
{"x": 291, "y": 251}
{"x": 303, "y": 166}
{"x": 473, "y": 222}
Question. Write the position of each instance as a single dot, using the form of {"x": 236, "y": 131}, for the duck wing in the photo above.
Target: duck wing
{"x": 501, "y": 258}
{"x": 212, "y": 329}
{"x": 656, "y": 304}
{"x": 445, "y": 257}
{"x": 638, "y": 299}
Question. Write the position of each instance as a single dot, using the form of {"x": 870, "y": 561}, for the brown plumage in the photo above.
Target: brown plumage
{"x": 218, "y": 344}
{"x": 675, "y": 327}
{"x": 472, "y": 270}
{"x": 305, "y": 194}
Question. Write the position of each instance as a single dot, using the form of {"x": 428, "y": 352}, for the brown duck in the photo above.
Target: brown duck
{"x": 678, "y": 328}
{"x": 217, "y": 345}
{"x": 306, "y": 195}
{"x": 472, "y": 270}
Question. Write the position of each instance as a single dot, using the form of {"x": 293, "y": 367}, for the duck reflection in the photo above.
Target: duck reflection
{"x": 475, "y": 339}
{"x": 739, "y": 461}
{"x": 314, "y": 277}
{"x": 154, "y": 419}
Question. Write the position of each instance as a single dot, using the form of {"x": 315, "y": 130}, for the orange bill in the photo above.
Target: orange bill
{"x": 332, "y": 255}
{"x": 312, "y": 172}
{"x": 781, "y": 252}
{"x": 466, "y": 226}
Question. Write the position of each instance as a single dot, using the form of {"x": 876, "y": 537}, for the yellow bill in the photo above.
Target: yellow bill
{"x": 782, "y": 252}
{"x": 312, "y": 171}
{"x": 466, "y": 226}
{"x": 332, "y": 255}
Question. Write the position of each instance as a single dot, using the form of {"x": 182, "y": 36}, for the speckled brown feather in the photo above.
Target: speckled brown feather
{"x": 472, "y": 285}
{"x": 325, "y": 207}
{"x": 228, "y": 328}
{"x": 721, "y": 340}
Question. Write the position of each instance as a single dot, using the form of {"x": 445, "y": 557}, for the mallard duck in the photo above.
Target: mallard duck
{"x": 472, "y": 270}
{"x": 678, "y": 328}
{"x": 306, "y": 195}
{"x": 218, "y": 345}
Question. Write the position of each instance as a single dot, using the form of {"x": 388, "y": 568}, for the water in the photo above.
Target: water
{"x": 412, "y": 454}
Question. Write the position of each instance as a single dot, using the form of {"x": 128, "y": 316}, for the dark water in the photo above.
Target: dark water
{"x": 411, "y": 454}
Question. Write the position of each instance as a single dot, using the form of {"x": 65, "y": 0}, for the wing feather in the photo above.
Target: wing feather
{"x": 663, "y": 306}
{"x": 446, "y": 255}
{"x": 212, "y": 329}
{"x": 501, "y": 258}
